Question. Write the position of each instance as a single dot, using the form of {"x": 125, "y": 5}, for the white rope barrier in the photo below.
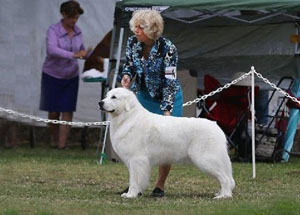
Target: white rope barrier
{"x": 104, "y": 123}
{"x": 237, "y": 80}
{"x": 217, "y": 90}
{"x": 39, "y": 119}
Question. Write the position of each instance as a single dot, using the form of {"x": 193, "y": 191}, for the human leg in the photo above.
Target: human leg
{"x": 165, "y": 169}
{"x": 11, "y": 134}
{"x": 54, "y": 128}
{"x": 8, "y": 133}
{"x": 64, "y": 129}
{"x": 163, "y": 173}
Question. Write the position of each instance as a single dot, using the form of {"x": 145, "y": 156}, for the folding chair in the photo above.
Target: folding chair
{"x": 270, "y": 138}
{"x": 231, "y": 110}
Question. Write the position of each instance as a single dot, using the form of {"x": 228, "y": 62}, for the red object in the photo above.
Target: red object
{"x": 290, "y": 103}
{"x": 281, "y": 123}
{"x": 231, "y": 103}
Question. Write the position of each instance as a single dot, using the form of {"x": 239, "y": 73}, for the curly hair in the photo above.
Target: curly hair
{"x": 150, "y": 20}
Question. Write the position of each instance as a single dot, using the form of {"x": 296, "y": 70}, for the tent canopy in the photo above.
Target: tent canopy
{"x": 190, "y": 11}
{"x": 292, "y": 5}
{"x": 222, "y": 37}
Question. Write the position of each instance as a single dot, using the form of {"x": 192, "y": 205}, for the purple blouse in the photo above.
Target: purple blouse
{"x": 60, "y": 62}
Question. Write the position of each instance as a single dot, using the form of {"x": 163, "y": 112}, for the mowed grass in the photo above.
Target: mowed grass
{"x": 44, "y": 181}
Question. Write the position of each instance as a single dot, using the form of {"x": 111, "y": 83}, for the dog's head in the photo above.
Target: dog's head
{"x": 117, "y": 101}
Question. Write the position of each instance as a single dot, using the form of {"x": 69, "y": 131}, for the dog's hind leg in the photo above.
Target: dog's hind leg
{"x": 139, "y": 176}
{"x": 217, "y": 166}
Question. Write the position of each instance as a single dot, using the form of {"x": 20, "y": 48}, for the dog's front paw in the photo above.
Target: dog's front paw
{"x": 129, "y": 195}
{"x": 222, "y": 196}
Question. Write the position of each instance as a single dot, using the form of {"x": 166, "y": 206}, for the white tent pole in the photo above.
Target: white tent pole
{"x": 253, "y": 121}
{"x": 297, "y": 28}
{"x": 118, "y": 58}
{"x": 111, "y": 49}
{"x": 104, "y": 143}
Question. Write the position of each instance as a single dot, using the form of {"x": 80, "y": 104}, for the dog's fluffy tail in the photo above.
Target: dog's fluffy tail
{"x": 230, "y": 172}
{"x": 229, "y": 175}
{"x": 232, "y": 183}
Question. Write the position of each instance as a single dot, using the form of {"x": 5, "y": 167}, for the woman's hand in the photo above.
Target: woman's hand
{"x": 81, "y": 54}
{"x": 125, "y": 81}
{"x": 167, "y": 113}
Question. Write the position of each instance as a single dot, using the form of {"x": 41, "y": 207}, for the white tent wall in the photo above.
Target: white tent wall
{"x": 23, "y": 26}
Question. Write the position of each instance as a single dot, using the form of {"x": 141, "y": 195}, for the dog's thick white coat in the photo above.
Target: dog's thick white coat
{"x": 143, "y": 139}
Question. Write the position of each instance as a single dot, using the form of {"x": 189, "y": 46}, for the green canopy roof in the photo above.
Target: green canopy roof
{"x": 282, "y": 5}
{"x": 213, "y": 12}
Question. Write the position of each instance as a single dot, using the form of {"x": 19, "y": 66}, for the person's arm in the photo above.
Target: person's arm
{"x": 128, "y": 72}
{"x": 53, "y": 48}
{"x": 169, "y": 83}
{"x": 83, "y": 54}
{"x": 125, "y": 82}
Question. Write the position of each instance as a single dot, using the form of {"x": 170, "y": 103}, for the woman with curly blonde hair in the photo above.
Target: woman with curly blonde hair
{"x": 152, "y": 60}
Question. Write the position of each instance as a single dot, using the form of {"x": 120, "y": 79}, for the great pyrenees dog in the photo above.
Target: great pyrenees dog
{"x": 143, "y": 139}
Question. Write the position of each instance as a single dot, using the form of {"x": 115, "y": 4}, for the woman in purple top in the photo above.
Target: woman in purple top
{"x": 60, "y": 76}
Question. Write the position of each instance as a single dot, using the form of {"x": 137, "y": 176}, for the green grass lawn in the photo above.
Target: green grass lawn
{"x": 46, "y": 181}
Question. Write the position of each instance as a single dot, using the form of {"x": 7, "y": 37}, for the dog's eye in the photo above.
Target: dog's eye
{"x": 113, "y": 97}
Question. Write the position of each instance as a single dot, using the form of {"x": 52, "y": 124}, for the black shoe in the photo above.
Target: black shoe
{"x": 123, "y": 191}
{"x": 157, "y": 192}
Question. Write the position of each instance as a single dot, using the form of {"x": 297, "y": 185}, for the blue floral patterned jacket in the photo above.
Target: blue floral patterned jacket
{"x": 162, "y": 55}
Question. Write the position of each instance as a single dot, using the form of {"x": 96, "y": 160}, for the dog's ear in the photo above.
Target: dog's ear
{"x": 129, "y": 101}
{"x": 127, "y": 105}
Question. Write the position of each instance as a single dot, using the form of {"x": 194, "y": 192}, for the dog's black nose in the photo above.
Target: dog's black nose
{"x": 101, "y": 103}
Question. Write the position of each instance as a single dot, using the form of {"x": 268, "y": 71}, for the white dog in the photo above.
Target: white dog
{"x": 143, "y": 139}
